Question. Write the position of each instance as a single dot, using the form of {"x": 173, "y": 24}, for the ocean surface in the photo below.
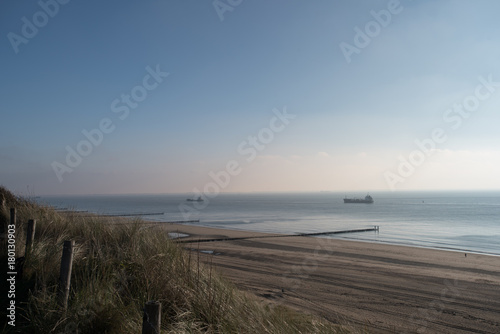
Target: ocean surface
{"x": 458, "y": 221}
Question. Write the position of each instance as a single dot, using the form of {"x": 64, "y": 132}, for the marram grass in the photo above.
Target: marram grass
{"x": 120, "y": 265}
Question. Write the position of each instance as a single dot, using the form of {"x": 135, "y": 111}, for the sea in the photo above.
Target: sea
{"x": 455, "y": 221}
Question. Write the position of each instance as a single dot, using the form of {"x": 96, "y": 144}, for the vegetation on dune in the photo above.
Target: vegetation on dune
{"x": 117, "y": 268}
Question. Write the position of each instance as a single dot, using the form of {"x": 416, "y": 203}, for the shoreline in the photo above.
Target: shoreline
{"x": 446, "y": 249}
{"x": 189, "y": 223}
{"x": 387, "y": 288}
{"x": 431, "y": 226}
{"x": 449, "y": 249}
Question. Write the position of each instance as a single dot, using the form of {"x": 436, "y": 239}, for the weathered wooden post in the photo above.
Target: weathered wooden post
{"x": 65, "y": 274}
{"x": 151, "y": 320}
{"x": 13, "y": 216}
{"x": 6, "y": 223}
{"x": 30, "y": 235}
{"x": 3, "y": 217}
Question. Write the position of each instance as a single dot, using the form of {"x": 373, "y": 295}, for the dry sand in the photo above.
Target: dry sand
{"x": 377, "y": 287}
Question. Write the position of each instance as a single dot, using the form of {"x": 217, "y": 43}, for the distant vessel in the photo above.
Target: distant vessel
{"x": 368, "y": 200}
{"x": 199, "y": 199}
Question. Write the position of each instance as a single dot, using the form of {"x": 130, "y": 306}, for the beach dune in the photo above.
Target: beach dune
{"x": 377, "y": 287}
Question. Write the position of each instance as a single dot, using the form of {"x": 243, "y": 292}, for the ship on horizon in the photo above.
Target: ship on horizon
{"x": 199, "y": 199}
{"x": 367, "y": 200}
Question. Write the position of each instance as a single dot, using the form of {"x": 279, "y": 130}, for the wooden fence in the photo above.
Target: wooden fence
{"x": 151, "y": 321}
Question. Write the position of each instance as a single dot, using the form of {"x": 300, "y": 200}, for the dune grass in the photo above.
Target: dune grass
{"x": 120, "y": 265}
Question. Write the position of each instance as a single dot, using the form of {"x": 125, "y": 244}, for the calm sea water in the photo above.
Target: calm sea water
{"x": 461, "y": 221}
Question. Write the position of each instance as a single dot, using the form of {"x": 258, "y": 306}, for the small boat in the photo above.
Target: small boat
{"x": 199, "y": 199}
{"x": 367, "y": 200}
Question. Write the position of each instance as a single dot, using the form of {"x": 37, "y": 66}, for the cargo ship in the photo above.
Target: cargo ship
{"x": 367, "y": 200}
{"x": 199, "y": 199}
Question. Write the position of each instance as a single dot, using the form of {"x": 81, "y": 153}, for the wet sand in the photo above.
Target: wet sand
{"x": 377, "y": 287}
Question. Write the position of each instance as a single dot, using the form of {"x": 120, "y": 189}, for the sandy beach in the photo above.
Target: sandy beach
{"x": 376, "y": 287}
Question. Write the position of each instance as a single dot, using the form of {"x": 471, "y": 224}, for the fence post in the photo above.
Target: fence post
{"x": 151, "y": 320}
{"x": 5, "y": 223}
{"x": 30, "y": 235}
{"x": 13, "y": 216}
{"x": 65, "y": 274}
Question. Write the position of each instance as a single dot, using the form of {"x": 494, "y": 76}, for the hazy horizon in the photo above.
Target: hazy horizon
{"x": 353, "y": 193}
{"x": 249, "y": 96}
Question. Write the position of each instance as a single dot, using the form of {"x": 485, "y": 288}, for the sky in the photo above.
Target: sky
{"x": 183, "y": 96}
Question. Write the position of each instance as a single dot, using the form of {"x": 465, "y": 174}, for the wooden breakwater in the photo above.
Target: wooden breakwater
{"x": 85, "y": 213}
{"x": 134, "y": 214}
{"x": 375, "y": 228}
{"x": 372, "y": 229}
{"x": 159, "y": 222}
{"x": 124, "y": 215}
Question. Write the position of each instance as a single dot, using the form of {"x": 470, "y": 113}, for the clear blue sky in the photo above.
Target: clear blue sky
{"x": 356, "y": 113}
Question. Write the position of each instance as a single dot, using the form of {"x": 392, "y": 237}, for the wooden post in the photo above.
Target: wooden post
{"x": 6, "y": 223}
{"x": 12, "y": 216}
{"x": 30, "y": 235}
{"x": 151, "y": 320}
{"x": 65, "y": 274}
